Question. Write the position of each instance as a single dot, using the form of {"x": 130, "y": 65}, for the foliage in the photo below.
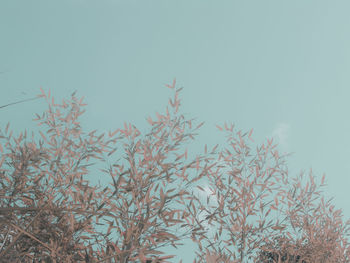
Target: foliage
{"x": 49, "y": 212}
{"x": 43, "y": 190}
{"x": 248, "y": 185}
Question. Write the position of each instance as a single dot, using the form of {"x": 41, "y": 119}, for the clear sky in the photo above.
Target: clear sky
{"x": 280, "y": 67}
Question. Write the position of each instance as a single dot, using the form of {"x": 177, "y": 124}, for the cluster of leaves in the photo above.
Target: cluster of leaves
{"x": 42, "y": 189}
{"x": 50, "y": 213}
{"x": 247, "y": 187}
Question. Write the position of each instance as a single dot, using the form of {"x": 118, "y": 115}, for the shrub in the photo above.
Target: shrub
{"x": 50, "y": 213}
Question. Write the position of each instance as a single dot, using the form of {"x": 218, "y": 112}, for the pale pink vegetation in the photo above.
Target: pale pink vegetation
{"x": 50, "y": 212}
{"x": 254, "y": 189}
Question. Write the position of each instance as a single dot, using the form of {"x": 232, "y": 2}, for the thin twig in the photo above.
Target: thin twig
{"x": 18, "y": 102}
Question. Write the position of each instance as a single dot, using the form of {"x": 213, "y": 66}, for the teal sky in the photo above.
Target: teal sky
{"x": 280, "y": 67}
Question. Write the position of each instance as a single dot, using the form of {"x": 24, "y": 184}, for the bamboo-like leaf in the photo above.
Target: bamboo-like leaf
{"x": 217, "y": 126}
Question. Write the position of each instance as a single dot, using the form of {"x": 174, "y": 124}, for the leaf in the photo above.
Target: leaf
{"x": 273, "y": 207}
{"x": 200, "y": 188}
{"x": 250, "y": 133}
{"x": 173, "y": 85}
{"x": 162, "y": 197}
{"x": 213, "y": 150}
{"x": 43, "y": 136}
{"x": 42, "y": 92}
{"x": 85, "y": 237}
{"x": 200, "y": 125}
{"x": 113, "y": 133}
{"x": 226, "y": 127}
{"x": 178, "y": 90}
{"x": 269, "y": 142}
{"x": 278, "y": 227}
{"x": 110, "y": 153}
{"x": 217, "y": 126}
{"x": 197, "y": 164}
{"x": 166, "y": 257}
{"x": 7, "y": 127}
{"x": 307, "y": 187}
{"x": 81, "y": 100}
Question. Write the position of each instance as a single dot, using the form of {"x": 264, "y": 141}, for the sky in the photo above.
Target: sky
{"x": 279, "y": 67}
